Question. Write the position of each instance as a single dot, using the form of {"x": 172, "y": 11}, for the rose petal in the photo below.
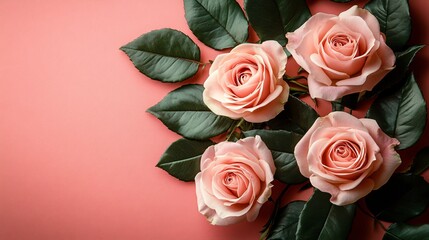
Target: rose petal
{"x": 301, "y": 43}
{"x": 352, "y": 195}
{"x": 391, "y": 159}
{"x": 369, "y": 19}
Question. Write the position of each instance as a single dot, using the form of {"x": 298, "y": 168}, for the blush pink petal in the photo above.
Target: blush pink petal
{"x": 301, "y": 43}
{"x": 209, "y": 213}
{"x": 215, "y": 65}
{"x": 343, "y": 119}
{"x": 391, "y": 159}
{"x": 324, "y": 186}
{"x": 269, "y": 178}
{"x": 372, "y": 65}
{"x": 386, "y": 54}
{"x": 368, "y": 39}
{"x": 370, "y": 20}
{"x": 302, "y": 149}
{"x": 352, "y": 195}
{"x": 212, "y": 93}
{"x": 205, "y": 201}
{"x": 341, "y": 198}
{"x": 324, "y": 91}
{"x": 271, "y": 108}
{"x": 261, "y": 149}
{"x": 331, "y": 73}
{"x": 253, "y": 212}
{"x": 342, "y": 68}
{"x": 277, "y": 56}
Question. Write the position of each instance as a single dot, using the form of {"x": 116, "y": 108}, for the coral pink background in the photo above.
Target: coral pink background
{"x": 77, "y": 149}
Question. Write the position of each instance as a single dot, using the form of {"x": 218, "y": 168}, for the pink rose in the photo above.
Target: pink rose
{"x": 343, "y": 54}
{"x": 235, "y": 180}
{"x": 346, "y": 157}
{"x": 247, "y": 82}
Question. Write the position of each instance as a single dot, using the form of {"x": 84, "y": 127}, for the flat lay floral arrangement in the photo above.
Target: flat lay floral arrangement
{"x": 247, "y": 128}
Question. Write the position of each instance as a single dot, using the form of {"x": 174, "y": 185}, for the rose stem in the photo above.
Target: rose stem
{"x": 299, "y": 84}
{"x": 232, "y": 130}
{"x": 275, "y": 212}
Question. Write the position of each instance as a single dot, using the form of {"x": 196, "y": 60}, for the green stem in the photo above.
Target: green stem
{"x": 288, "y": 78}
{"x": 232, "y": 129}
{"x": 297, "y": 90}
{"x": 299, "y": 84}
{"x": 272, "y": 219}
{"x": 205, "y": 64}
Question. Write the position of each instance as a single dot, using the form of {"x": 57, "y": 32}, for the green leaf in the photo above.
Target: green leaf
{"x": 399, "y": 74}
{"x": 401, "y": 115}
{"x": 167, "y": 55}
{"x": 182, "y": 158}
{"x": 320, "y": 219}
{"x": 403, "y": 197}
{"x": 286, "y": 222}
{"x": 184, "y": 112}
{"x": 272, "y": 19}
{"x": 402, "y": 231}
{"x": 421, "y": 161}
{"x": 282, "y": 144}
{"x": 219, "y": 24}
{"x": 394, "y": 18}
{"x": 296, "y": 117}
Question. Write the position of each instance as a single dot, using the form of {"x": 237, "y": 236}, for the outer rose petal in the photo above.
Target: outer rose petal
{"x": 277, "y": 57}
{"x": 370, "y": 19}
{"x": 391, "y": 159}
{"x": 341, "y": 198}
{"x": 351, "y": 196}
{"x": 300, "y": 43}
{"x": 252, "y": 163}
{"x": 302, "y": 148}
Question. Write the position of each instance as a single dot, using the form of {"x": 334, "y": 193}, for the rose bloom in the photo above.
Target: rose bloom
{"x": 235, "y": 180}
{"x": 247, "y": 82}
{"x": 343, "y": 54}
{"x": 346, "y": 157}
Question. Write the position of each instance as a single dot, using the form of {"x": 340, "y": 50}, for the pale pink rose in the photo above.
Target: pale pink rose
{"x": 247, "y": 82}
{"x": 346, "y": 157}
{"x": 343, "y": 54}
{"x": 235, "y": 180}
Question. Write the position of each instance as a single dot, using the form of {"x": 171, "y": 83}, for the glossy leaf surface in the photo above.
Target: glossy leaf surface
{"x": 394, "y": 19}
{"x": 184, "y": 112}
{"x": 219, "y": 24}
{"x": 320, "y": 219}
{"x": 167, "y": 55}
{"x": 182, "y": 158}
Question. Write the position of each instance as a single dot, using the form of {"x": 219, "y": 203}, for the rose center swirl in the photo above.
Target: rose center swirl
{"x": 232, "y": 181}
{"x": 341, "y": 154}
{"x": 342, "y": 43}
{"x": 242, "y": 77}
